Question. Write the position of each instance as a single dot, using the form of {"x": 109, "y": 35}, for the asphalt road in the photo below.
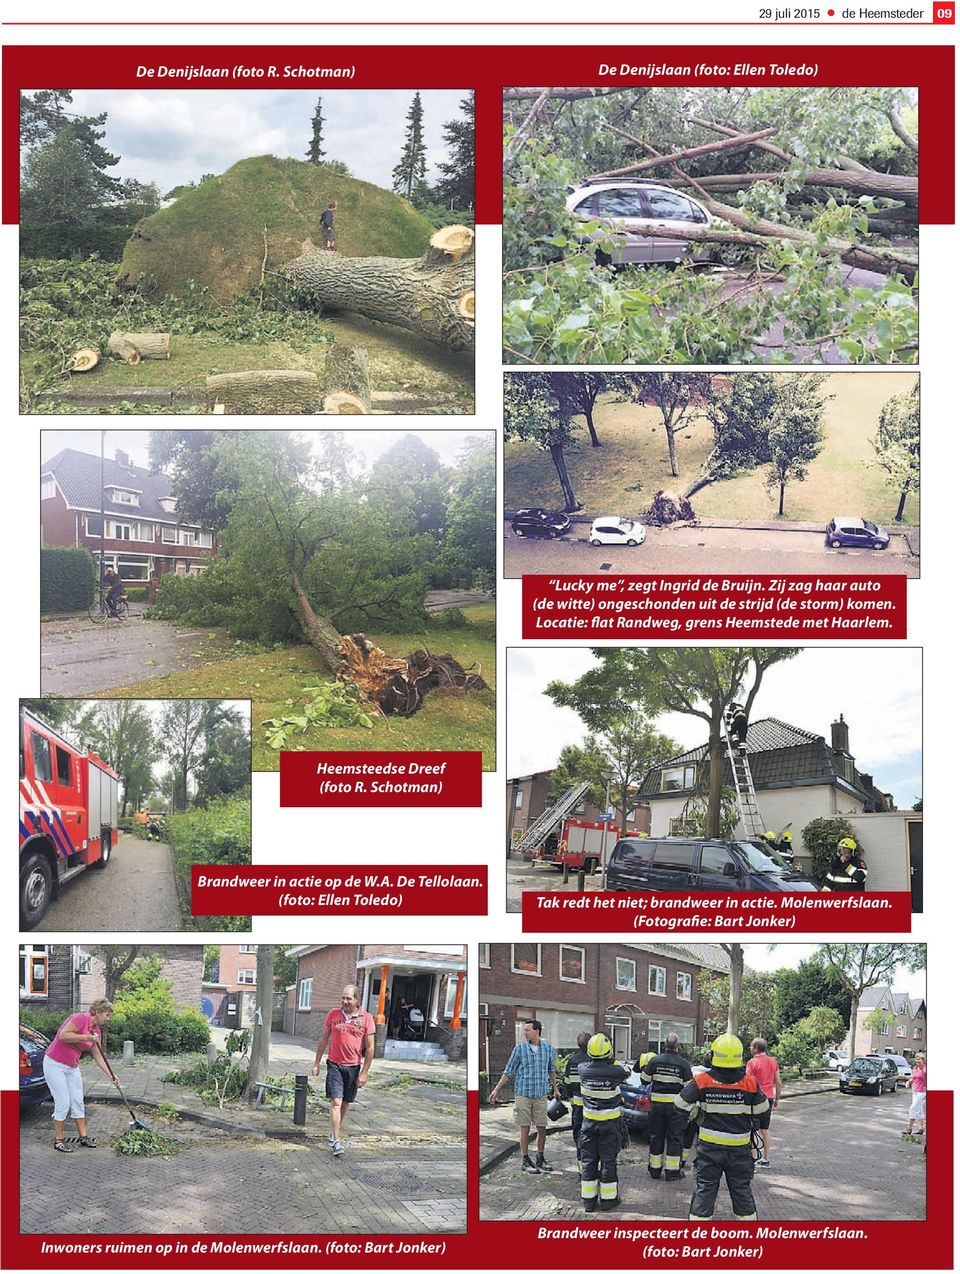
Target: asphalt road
{"x": 136, "y": 892}
{"x": 833, "y": 1158}
{"x": 696, "y": 550}
{"x": 523, "y": 875}
{"x": 78, "y": 658}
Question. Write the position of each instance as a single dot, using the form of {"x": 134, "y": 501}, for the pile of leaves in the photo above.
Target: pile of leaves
{"x": 144, "y": 1144}
{"x": 329, "y": 704}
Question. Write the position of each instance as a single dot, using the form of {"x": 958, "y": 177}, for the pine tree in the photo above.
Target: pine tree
{"x": 315, "y": 151}
{"x": 409, "y": 176}
{"x": 64, "y": 175}
{"x": 455, "y": 189}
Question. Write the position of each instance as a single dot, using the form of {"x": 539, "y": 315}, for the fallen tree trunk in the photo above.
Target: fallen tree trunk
{"x": 431, "y": 295}
{"x": 317, "y": 630}
{"x": 399, "y": 686}
{"x": 346, "y": 383}
{"x": 133, "y": 346}
{"x": 279, "y": 393}
{"x": 883, "y": 185}
{"x": 564, "y": 94}
{"x": 737, "y": 142}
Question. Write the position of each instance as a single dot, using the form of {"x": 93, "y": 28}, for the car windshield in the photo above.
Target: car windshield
{"x": 871, "y": 527}
{"x": 633, "y": 1080}
{"x": 626, "y": 523}
{"x": 762, "y": 859}
{"x": 865, "y": 1066}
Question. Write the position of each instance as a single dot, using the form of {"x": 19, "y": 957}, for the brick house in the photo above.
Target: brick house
{"x": 529, "y": 796}
{"x": 433, "y": 978}
{"x": 797, "y": 774}
{"x": 142, "y": 536}
{"x": 635, "y": 992}
{"x": 63, "y": 978}
{"x": 904, "y": 1029}
{"x": 230, "y": 993}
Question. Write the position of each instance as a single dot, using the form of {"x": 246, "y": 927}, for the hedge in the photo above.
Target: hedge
{"x": 152, "y": 1030}
{"x": 57, "y": 240}
{"x": 67, "y": 579}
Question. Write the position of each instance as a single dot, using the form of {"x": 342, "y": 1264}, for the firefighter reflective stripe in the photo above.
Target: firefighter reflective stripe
{"x": 685, "y": 1105}
{"x": 727, "y": 1108}
{"x": 576, "y": 1101}
{"x": 669, "y": 1098}
{"x": 655, "y": 1161}
{"x": 672, "y": 1163}
{"x": 608, "y": 1189}
{"x": 589, "y": 1189}
{"x": 603, "y": 1093}
{"x": 598, "y": 1116}
{"x": 724, "y": 1138}
{"x": 750, "y": 1216}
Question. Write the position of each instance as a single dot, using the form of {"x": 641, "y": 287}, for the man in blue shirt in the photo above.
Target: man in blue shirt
{"x": 532, "y": 1067}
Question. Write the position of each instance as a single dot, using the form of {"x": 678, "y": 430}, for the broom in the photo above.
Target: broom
{"x": 134, "y": 1121}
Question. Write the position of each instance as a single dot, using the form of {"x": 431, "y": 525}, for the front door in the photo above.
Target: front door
{"x": 915, "y": 842}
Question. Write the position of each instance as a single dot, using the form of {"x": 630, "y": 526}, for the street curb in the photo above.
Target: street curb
{"x": 496, "y": 1159}
{"x": 210, "y": 1121}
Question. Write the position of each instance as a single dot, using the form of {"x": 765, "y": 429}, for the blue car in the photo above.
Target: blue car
{"x": 635, "y": 1096}
{"x": 846, "y": 532}
{"x": 33, "y": 1047}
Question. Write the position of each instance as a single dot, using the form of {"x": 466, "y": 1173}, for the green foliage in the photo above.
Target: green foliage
{"x": 455, "y": 187}
{"x": 60, "y": 239}
{"x": 146, "y": 1012}
{"x": 66, "y": 580}
{"x": 46, "y": 1021}
{"x": 879, "y": 1020}
{"x": 820, "y": 841}
{"x": 220, "y": 833}
{"x": 329, "y": 704}
{"x": 144, "y": 1144}
{"x": 808, "y": 983}
{"x": 409, "y": 176}
{"x": 215, "y": 1083}
{"x": 795, "y": 431}
{"x": 897, "y": 443}
{"x": 796, "y": 1048}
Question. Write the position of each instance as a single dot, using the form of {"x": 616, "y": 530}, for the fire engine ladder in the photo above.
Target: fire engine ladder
{"x": 542, "y": 828}
{"x": 746, "y": 792}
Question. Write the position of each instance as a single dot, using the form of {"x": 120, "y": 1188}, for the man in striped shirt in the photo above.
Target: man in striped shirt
{"x": 728, "y": 1104}
{"x": 532, "y": 1066}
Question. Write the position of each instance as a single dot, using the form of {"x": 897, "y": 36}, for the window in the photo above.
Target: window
{"x": 518, "y": 802}
{"x": 483, "y": 1009}
{"x": 120, "y": 496}
{"x": 34, "y": 971}
{"x": 484, "y": 956}
{"x": 63, "y": 767}
{"x": 572, "y": 964}
{"x": 684, "y": 986}
{"x": 305, "y": 994}
{"x": 525, "y": 958}
{"x": 918, "y": 1033}
{"x": 188, "y": 538}
{"x": 134, "y": 569}
{"x": 48, "y": 488}
{"x": 93, "y": 525}
{"x": 670, "y": 206}
{"x": 716, "y": 861}
{"x": 678, "y": 778}
{"x": 675, "y": 856}
{"x": 451, "y": 997}
{"x": 42, "y": 767}
{"x": 901, "y": 1031}
{"x": 637, "y": 853}
{"x": 206, "y": 540}
{"x": 884, "y": 1028}
{"x": 247, "y": 977}
{"x": 248, "y": 948}
{"x": 656, "y": 980}
{"x": 619, "y": 203}
{"x": 168, "y": 534}
{"x": 626, "y": 975}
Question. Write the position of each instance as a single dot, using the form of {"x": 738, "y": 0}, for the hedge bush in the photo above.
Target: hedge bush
{"x": 67, "y": 578}
{"x": 820, "y": 842}
{"x": 220, "y": 833}
{"x": 59, "y": 240}
{"x": 152, "y": 1030}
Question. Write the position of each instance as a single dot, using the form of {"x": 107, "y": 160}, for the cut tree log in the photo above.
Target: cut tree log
{"x": 266, "y": 393}
{"x": 132, "y": 346}
{"x": 431, "y": 295}
{"x": 399, "y": 686}
{"x": 85, "y": 360}
{"x": 346, "y": 384}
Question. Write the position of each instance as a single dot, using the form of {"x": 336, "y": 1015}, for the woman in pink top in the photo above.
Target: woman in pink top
{"x": 61, "y": 1069}
{"x": 918, "y": 1104}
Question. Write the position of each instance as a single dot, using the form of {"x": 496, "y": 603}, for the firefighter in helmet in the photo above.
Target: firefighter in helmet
{"x": 667, "y": 1074}
{"x": 570, "y": 1087}
{"x": 737, "y": 724}
{"x": 783, "y": 844}
{"x": 847, "y": 873}
{"x": 600, "y": 1136}
{"x": 727, "y": 1103}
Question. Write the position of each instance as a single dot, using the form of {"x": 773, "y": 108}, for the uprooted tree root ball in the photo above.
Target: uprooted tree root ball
{"x": 399, "y": 686}
{"x": 669, "y": 507}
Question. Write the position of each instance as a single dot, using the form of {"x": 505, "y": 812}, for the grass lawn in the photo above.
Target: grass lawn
{"x": 400, "y": 362}
{"x": 843, "y": 479}
{"x": 449, "y": 720}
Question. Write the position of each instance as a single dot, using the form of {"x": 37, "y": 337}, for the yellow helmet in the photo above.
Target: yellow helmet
{"x": 599, "y": 1047}
{"x": 770, "y": 836}
{"x": 847, "y": 843}
{"x": 788, "y": 836}
{"x": 646, "y": 1058}
{"x": 727, "y": 1050}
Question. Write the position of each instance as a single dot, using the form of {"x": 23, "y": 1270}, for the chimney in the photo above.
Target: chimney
{"x": 840, "y": 736}
{"x": 866, "y": 779}
{"x": 122, "y": 458}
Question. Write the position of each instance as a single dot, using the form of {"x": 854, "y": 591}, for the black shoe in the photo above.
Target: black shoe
{"x": 590, "y": 1205}
{"x": 527, "y": 1165}
{"x": 672, "y": 1176}
{"x": 607, "y": 1205}
{"x": 655, "y": 1173}
{"x": 541, "y": 1163}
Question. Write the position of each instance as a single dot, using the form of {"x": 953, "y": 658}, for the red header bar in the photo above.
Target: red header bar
{"x": 608, "y": 912}
{"x": 380, "y": 780}
{"x": 368, "y": 889}
{"x": 488, "y": 69}
{"x": 674, "y": 607}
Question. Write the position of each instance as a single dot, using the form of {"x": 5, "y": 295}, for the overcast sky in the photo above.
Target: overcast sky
{"x": 877, "y": 690}
{"x": 369, "y": 444}
{"x": 763, "y": 958}
{"x": 172, "y": 136}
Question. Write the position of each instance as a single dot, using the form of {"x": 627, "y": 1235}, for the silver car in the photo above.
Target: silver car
{"x": 627, "y": 209}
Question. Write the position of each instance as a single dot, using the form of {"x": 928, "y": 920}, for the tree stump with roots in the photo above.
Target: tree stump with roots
{"x": 399, "y": 686}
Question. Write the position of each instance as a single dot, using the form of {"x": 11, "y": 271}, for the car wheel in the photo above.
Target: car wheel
{"x": 879, "y": 545}
{"x": 633, "y": 543}
{"x": 517, "y": 530}
{"x": 36, "y": 889}
{"x": 836, "y": 544}
{"x": 595, "y": 542}
{"x": 106, "y": 849}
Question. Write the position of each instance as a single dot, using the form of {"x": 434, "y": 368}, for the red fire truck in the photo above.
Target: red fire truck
{"x": 577, "y": 842}
{"x": 68, "y": 815}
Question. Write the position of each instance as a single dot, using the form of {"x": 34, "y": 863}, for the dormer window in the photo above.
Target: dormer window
{"x": 124, "y": 495}
{"x": 168, "y": 503}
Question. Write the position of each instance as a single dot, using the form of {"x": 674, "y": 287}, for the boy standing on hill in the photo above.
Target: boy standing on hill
{"x": 329, "y": 234}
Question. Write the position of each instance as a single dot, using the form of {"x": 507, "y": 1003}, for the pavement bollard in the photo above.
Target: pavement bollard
{"x": 300, "y": 1100}
{"x": 211, "y": 1053}
{"x": 566, "y": 873}
{"x": 128, "y": 1050}
{"x": 581, "y": 881}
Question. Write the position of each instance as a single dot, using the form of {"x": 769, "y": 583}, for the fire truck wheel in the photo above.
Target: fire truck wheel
{"x": 106, "y": 849}
{"x": 36, "y": 889}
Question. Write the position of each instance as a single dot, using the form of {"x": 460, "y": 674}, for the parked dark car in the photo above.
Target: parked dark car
{"x": 550, "y": 523}
{"x": 33, "y": 1047}
{"x": 904, "y": 1069}
{"x": 870, "y": 1075}
{"x": 679, "y": 863}
{"x": 847, "y": 532}
{"x": 635, "y": 1095}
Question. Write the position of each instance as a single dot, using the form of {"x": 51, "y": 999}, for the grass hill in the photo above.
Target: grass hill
{"x": 213, "y": 234}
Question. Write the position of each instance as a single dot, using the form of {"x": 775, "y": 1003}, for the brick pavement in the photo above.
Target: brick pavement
{"x": 833, "y": 1157}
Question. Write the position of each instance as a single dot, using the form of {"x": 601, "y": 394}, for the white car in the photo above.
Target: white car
{"x": 835, "y": 1060}
{"x": 616, "y": 530}
{"x": 627, "y": 209}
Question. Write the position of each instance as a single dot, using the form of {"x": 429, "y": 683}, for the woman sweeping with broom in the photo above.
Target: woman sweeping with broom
{"x": 61, "y": 1070}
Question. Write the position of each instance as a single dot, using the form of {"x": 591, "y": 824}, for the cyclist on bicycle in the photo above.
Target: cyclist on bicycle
{"x": 113, "y": 590}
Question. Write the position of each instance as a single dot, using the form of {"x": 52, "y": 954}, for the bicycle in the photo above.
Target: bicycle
{"x": 101, "y": 610}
